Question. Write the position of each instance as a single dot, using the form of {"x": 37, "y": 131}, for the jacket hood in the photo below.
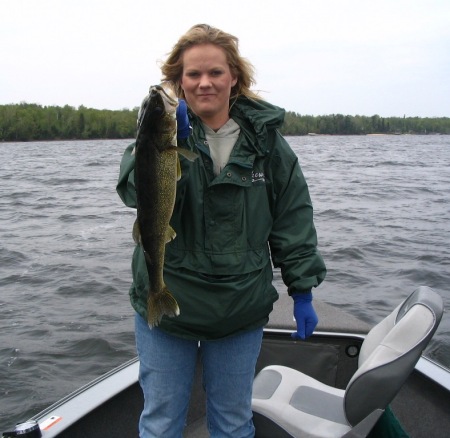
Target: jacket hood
{"x": 258, "y": 116}
{"x": 260, "y": 113}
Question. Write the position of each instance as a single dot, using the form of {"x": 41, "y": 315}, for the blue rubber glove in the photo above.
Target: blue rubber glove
{"x": 183, "y": 129}
{"x": 305, "y": 315}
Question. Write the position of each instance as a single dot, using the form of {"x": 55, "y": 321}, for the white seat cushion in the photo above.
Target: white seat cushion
{"x": 301, "y": 405}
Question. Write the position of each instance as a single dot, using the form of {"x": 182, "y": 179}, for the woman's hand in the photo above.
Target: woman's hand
{"x": 304, "y": 315}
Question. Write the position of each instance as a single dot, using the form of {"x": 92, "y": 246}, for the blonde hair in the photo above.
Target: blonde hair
{"x": 241, "y": 68}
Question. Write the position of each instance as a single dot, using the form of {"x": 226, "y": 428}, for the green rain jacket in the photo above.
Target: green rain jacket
{"x": 230, "y": 227}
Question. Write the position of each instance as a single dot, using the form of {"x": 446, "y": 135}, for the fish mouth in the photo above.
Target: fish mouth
{"x": 159, "y": 100}
{"x": 169, "y": 95}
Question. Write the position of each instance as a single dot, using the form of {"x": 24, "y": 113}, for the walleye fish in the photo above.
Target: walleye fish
{"x": 157, "y": 169}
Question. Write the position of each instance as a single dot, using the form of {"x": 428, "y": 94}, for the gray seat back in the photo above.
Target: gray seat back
{"x": 390, "y": 352}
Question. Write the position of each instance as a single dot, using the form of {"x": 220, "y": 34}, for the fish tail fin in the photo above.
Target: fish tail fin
{"x": 159, "y": 304}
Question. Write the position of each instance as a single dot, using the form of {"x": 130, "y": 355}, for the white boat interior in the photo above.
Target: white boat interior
{"x": 110, "y": 405}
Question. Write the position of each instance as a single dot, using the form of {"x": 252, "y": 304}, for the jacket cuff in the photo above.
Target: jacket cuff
{"x": 292, "y": 291}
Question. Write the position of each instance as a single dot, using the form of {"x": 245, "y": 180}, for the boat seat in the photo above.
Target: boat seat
{"x": 288, "y": 403}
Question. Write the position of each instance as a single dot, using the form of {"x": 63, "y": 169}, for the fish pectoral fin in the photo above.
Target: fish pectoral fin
{"x": 136, "y": 233}
{"x": 170, "y": 234}
{"x": 191, "y": 156}
{"x": 178, "y": 169}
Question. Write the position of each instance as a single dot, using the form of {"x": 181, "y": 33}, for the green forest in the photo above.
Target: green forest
{"x": 28, "y": 122}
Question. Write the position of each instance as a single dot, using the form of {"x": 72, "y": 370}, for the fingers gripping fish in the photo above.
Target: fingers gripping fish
{"x": 157, "y": 170}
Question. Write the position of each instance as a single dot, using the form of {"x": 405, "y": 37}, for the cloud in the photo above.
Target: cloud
{"x": 321, "y": 57}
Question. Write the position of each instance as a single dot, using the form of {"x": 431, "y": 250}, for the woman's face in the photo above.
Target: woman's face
{"x": 207, "y": 81}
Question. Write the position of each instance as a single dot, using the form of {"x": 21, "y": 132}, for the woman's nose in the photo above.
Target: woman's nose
{"x": 205, "y": 81}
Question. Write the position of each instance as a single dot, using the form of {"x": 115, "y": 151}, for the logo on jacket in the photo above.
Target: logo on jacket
{"x": 258, "y": 177}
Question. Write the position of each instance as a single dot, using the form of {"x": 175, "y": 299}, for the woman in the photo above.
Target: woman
{"x": 242, "y": 204}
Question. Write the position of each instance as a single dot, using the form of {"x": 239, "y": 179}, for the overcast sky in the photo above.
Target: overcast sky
{"x": 385, "y": 57}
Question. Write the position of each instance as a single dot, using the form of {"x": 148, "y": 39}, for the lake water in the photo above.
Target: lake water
{"x": 381, "y": 209}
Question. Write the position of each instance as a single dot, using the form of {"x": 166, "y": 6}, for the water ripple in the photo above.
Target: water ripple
{"x": 381, "y": 211}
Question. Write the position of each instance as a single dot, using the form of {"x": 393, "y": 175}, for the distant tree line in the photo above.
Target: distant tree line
{"x": 26, "y": 122}
{"x": 338, "y": 124}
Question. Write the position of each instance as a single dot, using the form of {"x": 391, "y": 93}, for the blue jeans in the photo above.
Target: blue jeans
{"x": 166, "y": 374}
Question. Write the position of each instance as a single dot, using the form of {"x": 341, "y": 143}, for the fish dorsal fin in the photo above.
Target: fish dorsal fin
{"x": 136, "y": 233}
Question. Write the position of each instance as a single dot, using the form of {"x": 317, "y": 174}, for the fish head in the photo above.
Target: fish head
{"x": 157, "y": 114}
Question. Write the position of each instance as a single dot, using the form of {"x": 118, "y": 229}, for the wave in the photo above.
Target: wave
{"x": 66, "y": 248}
